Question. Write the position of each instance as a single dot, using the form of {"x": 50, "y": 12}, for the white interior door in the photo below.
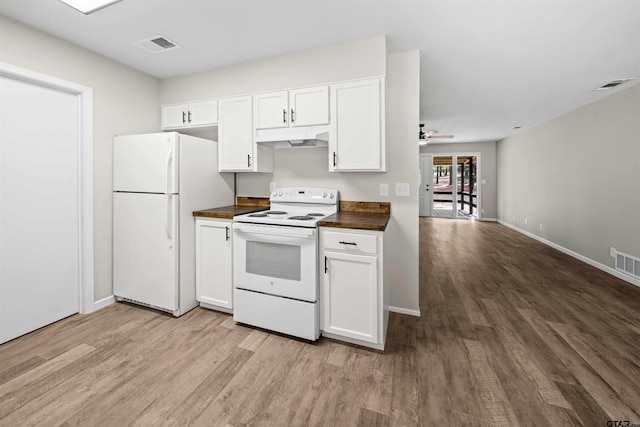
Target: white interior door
{"x": 426, "y": 195}
{"x": 145, "y": 248}
{"x": 39, "y": 206}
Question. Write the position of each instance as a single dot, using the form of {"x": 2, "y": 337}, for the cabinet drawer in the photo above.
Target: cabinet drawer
{"x": 360, "y": 243}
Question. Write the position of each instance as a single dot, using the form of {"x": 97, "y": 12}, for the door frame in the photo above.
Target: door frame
{"x": 84, "y": 97}
{"x": 454, "y": 157}
{"x": 429, "y": 175}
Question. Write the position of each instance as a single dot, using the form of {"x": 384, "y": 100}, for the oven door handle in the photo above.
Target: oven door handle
{"x": 275, "y": 231}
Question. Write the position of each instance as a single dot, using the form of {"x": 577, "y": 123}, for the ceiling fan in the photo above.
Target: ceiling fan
{"x": 425, "y": 137}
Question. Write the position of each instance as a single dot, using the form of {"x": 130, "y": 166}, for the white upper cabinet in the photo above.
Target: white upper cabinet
{"x": 237, "y": 152}
{"x": 309, "y": 106}
{"x": 356, "y": 131}
{"x": 298, "y": 107}
{"x": 271, "y": 110}
{"x": 194, "y": 114}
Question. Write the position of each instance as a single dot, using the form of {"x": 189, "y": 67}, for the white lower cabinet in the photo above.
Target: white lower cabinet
{"x": 352, "y": 297}
{"x": 214, "y": 284}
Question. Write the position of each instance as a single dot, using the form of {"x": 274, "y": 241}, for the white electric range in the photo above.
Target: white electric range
{"x": 275, "y": 261}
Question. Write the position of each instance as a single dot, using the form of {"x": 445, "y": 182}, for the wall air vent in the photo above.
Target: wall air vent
{"x": 156, "y": 44}
{"x": 613, "y": 84}
{"x": 627, "y": 264}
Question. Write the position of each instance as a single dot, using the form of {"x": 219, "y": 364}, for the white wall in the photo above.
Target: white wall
{"x": 579, "y": 176}
{"x": 342, "y": 62}
{"x": 309, "y": 166}
{"x": 124, "y": 101}
{"x": 487, "y": 151}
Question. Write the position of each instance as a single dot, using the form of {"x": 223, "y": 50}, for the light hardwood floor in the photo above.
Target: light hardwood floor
{"x": 512, "y": 333}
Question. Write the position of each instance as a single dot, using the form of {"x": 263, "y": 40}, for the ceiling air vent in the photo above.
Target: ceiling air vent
{"x": 613, "y": 84}
{"x": 156, "y": 44}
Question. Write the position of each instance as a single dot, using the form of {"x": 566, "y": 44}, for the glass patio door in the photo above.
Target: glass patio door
{"x": 443, "y": 205}
{"x": 466, "y": 189}
{"x": 449, "y": 186}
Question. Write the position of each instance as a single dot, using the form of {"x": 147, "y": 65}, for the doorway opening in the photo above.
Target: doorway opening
{"x": 450, "y": 185}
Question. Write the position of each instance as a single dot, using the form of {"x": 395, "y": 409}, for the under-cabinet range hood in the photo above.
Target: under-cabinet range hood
{"x": 303, "y": 136}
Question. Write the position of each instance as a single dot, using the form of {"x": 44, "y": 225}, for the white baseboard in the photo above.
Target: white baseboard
{"x": 97, "y": 305}
{"x": 576, "y": 255}
{"x": 401, "y": 310}
{"x": 489, "y": 219}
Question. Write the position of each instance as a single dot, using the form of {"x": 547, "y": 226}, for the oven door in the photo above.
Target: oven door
{"x": 275, "y": 260}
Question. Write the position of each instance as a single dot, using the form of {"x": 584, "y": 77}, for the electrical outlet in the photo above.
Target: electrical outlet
{"x": 540, "y": 227}
{"x": 526, "y": 221}
{"x": 402, "y": 189}
{"x": 272, "y": 187}
{"x": 384, "y": 189}
{"x": 612, "y": 252}
{"x": 482, "y": 210}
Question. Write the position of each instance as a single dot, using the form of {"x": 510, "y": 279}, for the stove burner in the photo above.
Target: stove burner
{"x": 315, "y": 214}
{"x": 301, "y": 217}
{"x": 276, "y": 213}
{"x": 257, "y": 215}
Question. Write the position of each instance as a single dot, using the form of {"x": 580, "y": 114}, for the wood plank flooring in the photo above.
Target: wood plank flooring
{"x": 512, "y": 333}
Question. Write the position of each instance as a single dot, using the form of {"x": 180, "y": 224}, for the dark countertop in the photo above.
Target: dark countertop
{"x": 243, "y": 205}
{"x": 360, "y": 215}
{"x": 357, "y": 220}
{"x": 227, "y": 212}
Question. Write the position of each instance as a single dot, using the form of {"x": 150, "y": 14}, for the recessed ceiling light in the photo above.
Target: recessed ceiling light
{"x": 89, "y": 6}
{"x": 613, "y": 84}
{"x": 517, "y": 127}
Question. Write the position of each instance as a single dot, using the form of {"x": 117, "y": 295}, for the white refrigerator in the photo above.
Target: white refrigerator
{"x": 158, "y": 181}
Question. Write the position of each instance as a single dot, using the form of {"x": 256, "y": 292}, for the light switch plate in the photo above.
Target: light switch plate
{"x": 402, "y": 189}
{"x": 384, "y": 189}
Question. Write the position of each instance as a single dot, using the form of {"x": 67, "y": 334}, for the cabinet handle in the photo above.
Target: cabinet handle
{"x": 284, "y": 116}
{"x": 334, "y": 158}
{"x": 189, "y": 117}
{"x": 249, "y": 160}
{"x": 292, "y": 116}
{"x": 325, "y": 265}
{"x": 349, "y": 243}
{"x": 184, "y": 117}
{"x": 227, "y": 235}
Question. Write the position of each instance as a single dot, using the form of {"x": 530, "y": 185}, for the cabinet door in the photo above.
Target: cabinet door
{"x": 350, "y": 296}
{"x": 213, "y": 263}
{"x": 355, "y": 130}
{"x": 271, "y": 110}
{"x": 174, "y": 116}
{"x": 309, "y": 106}
{"x": 235, "y": 134}
{"x": 204, "y": 113}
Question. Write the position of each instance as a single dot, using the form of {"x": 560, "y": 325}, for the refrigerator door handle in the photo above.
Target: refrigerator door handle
{"x": 169, "y": 161}
{"x": 167, "y": 224}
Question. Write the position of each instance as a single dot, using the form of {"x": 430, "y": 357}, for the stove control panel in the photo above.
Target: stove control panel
{"x": 327, "y": 196}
